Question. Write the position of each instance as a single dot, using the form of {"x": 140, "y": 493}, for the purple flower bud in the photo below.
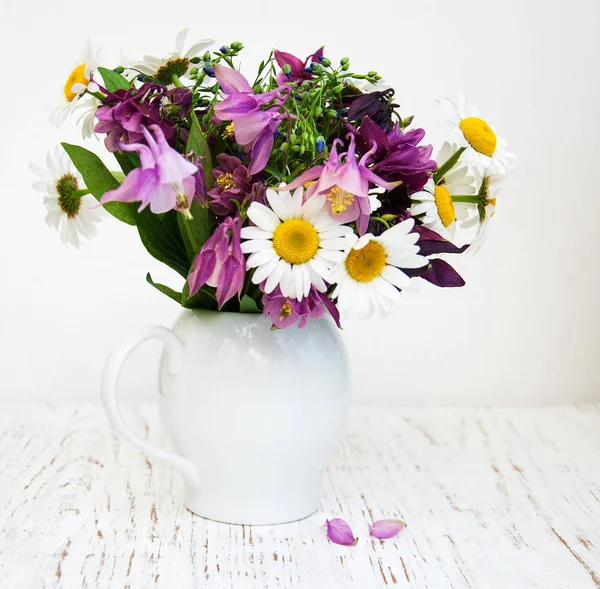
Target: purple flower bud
{"x": 320, "y": 144}
{"x": 209, "y": 71}
{"x": 224, "y": 49}
{"x": 220, "y": 263}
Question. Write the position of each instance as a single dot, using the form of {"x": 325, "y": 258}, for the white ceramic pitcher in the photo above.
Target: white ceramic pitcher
{"x": 253, "y": 414}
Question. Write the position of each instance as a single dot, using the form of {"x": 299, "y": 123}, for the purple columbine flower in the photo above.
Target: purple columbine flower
{"x": 285, "y": 312}
{"x": 125, "y": 112}
{"x": 254, "y": 128}
{"x": 220, "y": 262}
{"x": 298, "y": 68}
{"x": 397, "y": 156}
{"x": 233, "y": 184}
{"x": 165, "y": 180}
{"x": 345, "y": 184}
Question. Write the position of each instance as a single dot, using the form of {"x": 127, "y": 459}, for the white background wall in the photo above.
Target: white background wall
{"x": 525, "y": 328}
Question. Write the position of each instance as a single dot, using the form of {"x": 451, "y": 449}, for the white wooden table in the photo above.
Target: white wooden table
{"x": 493, "y": 498}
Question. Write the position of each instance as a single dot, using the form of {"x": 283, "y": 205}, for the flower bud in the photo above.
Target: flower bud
{"x": 344, "y": 61}
{"x": 284, "y": 146}
{"x": 195, "y": 60}
{"x": 371, "y": 74}
{"x": 206, "y": 56}
{"x": 119, "y": 69}
{"x": 237, "y": 45}
{"x": 287, "y": 69}
{"x": 325, "y": 62}
{"x": 224, "y": 49}
{"x": 345, "y": 67}
{"x": 209, "y": 71}
{"x": 320, "y": 144}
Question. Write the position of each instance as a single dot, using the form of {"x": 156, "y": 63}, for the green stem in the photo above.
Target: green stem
{"x": 79, "y": 193}
{"x": 188, "y": 229}
{"x": 446, "y": 167}
{"x": 470, "y": 198}
{"x": 97, "y": 95}
{"x": 203, "y": 149}
{"x": 381, "y": 221}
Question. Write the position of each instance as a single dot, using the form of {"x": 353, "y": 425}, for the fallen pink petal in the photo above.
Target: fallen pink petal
{"x": 386, "y": 528}
{"x": 339, "y": 532}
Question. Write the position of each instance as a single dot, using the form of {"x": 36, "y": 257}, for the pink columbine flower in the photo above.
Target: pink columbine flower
{"x": 339, "y": 532}
{"x": 220, "y": 262}
{"x": 345, "y": 184}
{"x": 386, "y": 528}
{"x": 253, "y": 127}
{"x": 299, "y": 70}
{"x": 165, "y": 180}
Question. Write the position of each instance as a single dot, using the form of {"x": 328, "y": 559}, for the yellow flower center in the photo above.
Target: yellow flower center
{"x": 296, "y": 241}
{"x": 226, "y": 181}
{"x": 491, "y": 201}
{"x": 340, "y": 200}
{"x": 229, "y": 131}
{"x": 445, "y": 206}
{"x": 367, "y": 263}
{"x": 286, "y": 311}
{"x": 479, "y": 135}
{"x": 77, "y": 76}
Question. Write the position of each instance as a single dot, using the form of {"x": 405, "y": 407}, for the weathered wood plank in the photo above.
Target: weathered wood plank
{"x": 493, "y": 498}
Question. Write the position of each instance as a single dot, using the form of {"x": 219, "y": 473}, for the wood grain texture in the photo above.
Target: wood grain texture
{"x": 493, "y": 499}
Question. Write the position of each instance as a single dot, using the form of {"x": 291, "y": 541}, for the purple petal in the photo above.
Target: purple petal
{"x": 127, "y": 192}
{"x": 386, "y": 528}
{"x": 339, "y": 532}
{"x": 250, "y": 126}
{"x": 310, "y": 174}
{"x": 282, "y": 58}
{"x": 235, "y": 106}
{"x": 261, "y": 151}
{"x": 231, "y": 80}
{"x": 441, "y": 274}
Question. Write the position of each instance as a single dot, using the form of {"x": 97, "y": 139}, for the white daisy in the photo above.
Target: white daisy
{"x": 436, "y": 202}
{"x": 480, "y": 215}
{"x": 71, "y": 210}
{"x": 176, "y": 63}
{"x": 484, "y": 149}
{"x": 293, "y": 245}
{"x": 368, "y": 278}
{"x": 78, "y": 82}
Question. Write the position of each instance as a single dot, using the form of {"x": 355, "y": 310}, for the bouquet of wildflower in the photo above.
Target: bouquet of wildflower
{"x": 295, "y": 193}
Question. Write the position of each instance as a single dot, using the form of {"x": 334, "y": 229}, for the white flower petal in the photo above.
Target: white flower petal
{"x": 263, "y": 217}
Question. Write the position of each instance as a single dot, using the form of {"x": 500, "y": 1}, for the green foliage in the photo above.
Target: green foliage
{"x": 172, "y": 294}
{"x": 113, "y": 81}
{"x": 197, "y": 230}
{"x": 248, "y": 305}
{"x": 205, "y": 298}
{"x": 99, "y": 180}
{"x": 127, "y": 160}
{"x": 160, "y": 236}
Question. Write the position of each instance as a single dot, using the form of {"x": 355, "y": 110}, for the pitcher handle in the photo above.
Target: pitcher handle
{"x": 110, "y": 380}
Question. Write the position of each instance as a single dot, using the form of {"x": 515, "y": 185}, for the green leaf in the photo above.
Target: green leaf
{"x": 195, "y": 231}
{"x": 446, "y": 167}
{"x": 160, "y": 236}
{"x": 127, "y": 160}
{"x": 248, "y": 305}
{"x": 173, "y": 294}
{"x": 197, "y": 144}
{"x": 205, "y": 298}
{"x": 99, "y": 180}
{"x": 113, "y": 81}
